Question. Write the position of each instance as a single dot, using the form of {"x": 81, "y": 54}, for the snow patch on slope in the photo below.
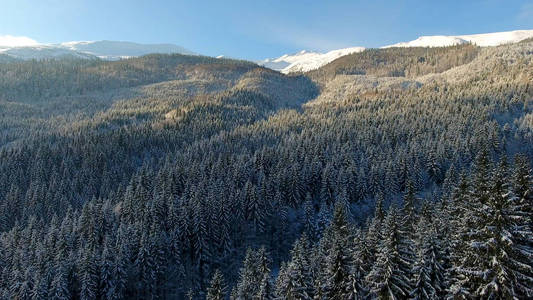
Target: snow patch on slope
{"x": 21, "y": 48}
{"x": 42, "y": 52}
{"x": 304, "y": 61}
{"x": 482, "y": 40}
{"x": 114, "y": 50}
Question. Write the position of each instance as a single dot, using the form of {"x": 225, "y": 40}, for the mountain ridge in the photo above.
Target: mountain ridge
{"x": 104, "y": 49}
{"x": 305, "y": 61}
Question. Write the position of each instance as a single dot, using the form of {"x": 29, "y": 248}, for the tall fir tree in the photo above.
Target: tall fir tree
{"x": 387, "y": 278}
{"x": 217, "y": 288}
{"x": 429, "y": 275}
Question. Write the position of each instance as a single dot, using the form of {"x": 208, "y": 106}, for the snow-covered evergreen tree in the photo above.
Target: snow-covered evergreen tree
{"x": 88, "y": 275}
{"x": 298, "y": 282}
{"x": 387, "y": 278}
{"x": 217, "y": 288}
{"x": 429, "y": 280}
{"x": 494, "y": 263}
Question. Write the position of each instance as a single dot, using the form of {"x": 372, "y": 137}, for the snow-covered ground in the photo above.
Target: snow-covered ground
{"x": 112, "y": 50}
{"x": 25, "y": 48}
{"x": 306, "y": 61}
{"x": 482, "y": 40}
{"x": 42, "y": 52}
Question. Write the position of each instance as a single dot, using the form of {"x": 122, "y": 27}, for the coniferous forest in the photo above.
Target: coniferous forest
{"x": 400, "y": 173}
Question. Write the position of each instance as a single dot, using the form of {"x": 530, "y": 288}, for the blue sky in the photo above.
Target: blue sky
{"x": 256, "y": 29}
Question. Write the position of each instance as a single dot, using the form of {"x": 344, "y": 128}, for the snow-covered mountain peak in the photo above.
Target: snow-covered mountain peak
{"x": 304, "y": 61}
{"x": 7, "y": 41}
{"x": 118, "y": 49}
{"x": 482, "y": 40}
{"x": 109, "y": 50}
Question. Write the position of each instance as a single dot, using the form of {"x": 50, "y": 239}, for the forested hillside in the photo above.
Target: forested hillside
{"x": 390, "y": 174}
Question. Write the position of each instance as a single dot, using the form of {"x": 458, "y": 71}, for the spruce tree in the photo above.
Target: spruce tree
{"x": 266, "y": 289}
{"x": 506, "y": 265}
{"x": 298, "y": 271}
{"x": 60, "y": 286}
{"x": 429, "y": 280}
{"x": 217, "y": 288}
{"x": 387, "y": 278}
{"x": 522, "y": 186}
{"x": 494, "y": 263}
{"x": 108, "y": 283}
{"x": 251, "y": 274}
{"x": 339, "y": 279}
{"x": 88, "y": 275}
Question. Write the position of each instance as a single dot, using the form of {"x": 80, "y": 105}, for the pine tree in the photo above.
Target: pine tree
{"x": 121, "y": 261}
{"x": 493, "y": 263}
{"x": 250, "y": 276}
{"x": 60, "y": 286}
{"x": 158, "y": 242}
{"x": 217, "y": 289}
{"x": 299, "y": 279}
{"x": 309, "y": 218}
{"x": 338, "y": 282}
{"x": 428, "y": 271}
{"x": 339, "y": 279}
{"x": 387, "y": 279}
{"x": 523, "y": 187}
{"x": 463, "y": 218}
{"x": 407, "y": 228}
{"x": 481, "y": 177}
{"x": 144, "y": 264}
{"x": 107, "y": 276}
{"x": 284, "y": 288}
{"x": 523, "y": 201}
{"x": 40, "y": 291}
{"x": 266, "y": 289}
{"x": 507, "y": 264}
{"x": 88, "y": 275}
{"x": 378, "y": 210}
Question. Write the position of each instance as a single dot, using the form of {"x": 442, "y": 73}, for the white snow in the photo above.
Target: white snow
{"x": 304, "y": 61}
{"x": 16, "y": 41}
{"x": 42, "y": 52}
{"x": 114, "y": 50}
{"x": 482, "y": 40}
{"x": 107, "y": 50}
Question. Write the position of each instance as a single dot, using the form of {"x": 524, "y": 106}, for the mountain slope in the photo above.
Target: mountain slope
{"x": 113, "y": 50}
{"x": 107, "y": 50}
{"x": 482, "y": 40}
{"x": 185, "y": 164}
{"x": 43, "y": 52}
{"x": 306, "y": 61}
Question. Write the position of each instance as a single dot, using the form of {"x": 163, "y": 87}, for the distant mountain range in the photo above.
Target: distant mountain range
{"x": 302, "y": 61}
{"x": 482, "y": 40}
{"x": 306, "y": 61}
{"x": 108, "y": 50}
